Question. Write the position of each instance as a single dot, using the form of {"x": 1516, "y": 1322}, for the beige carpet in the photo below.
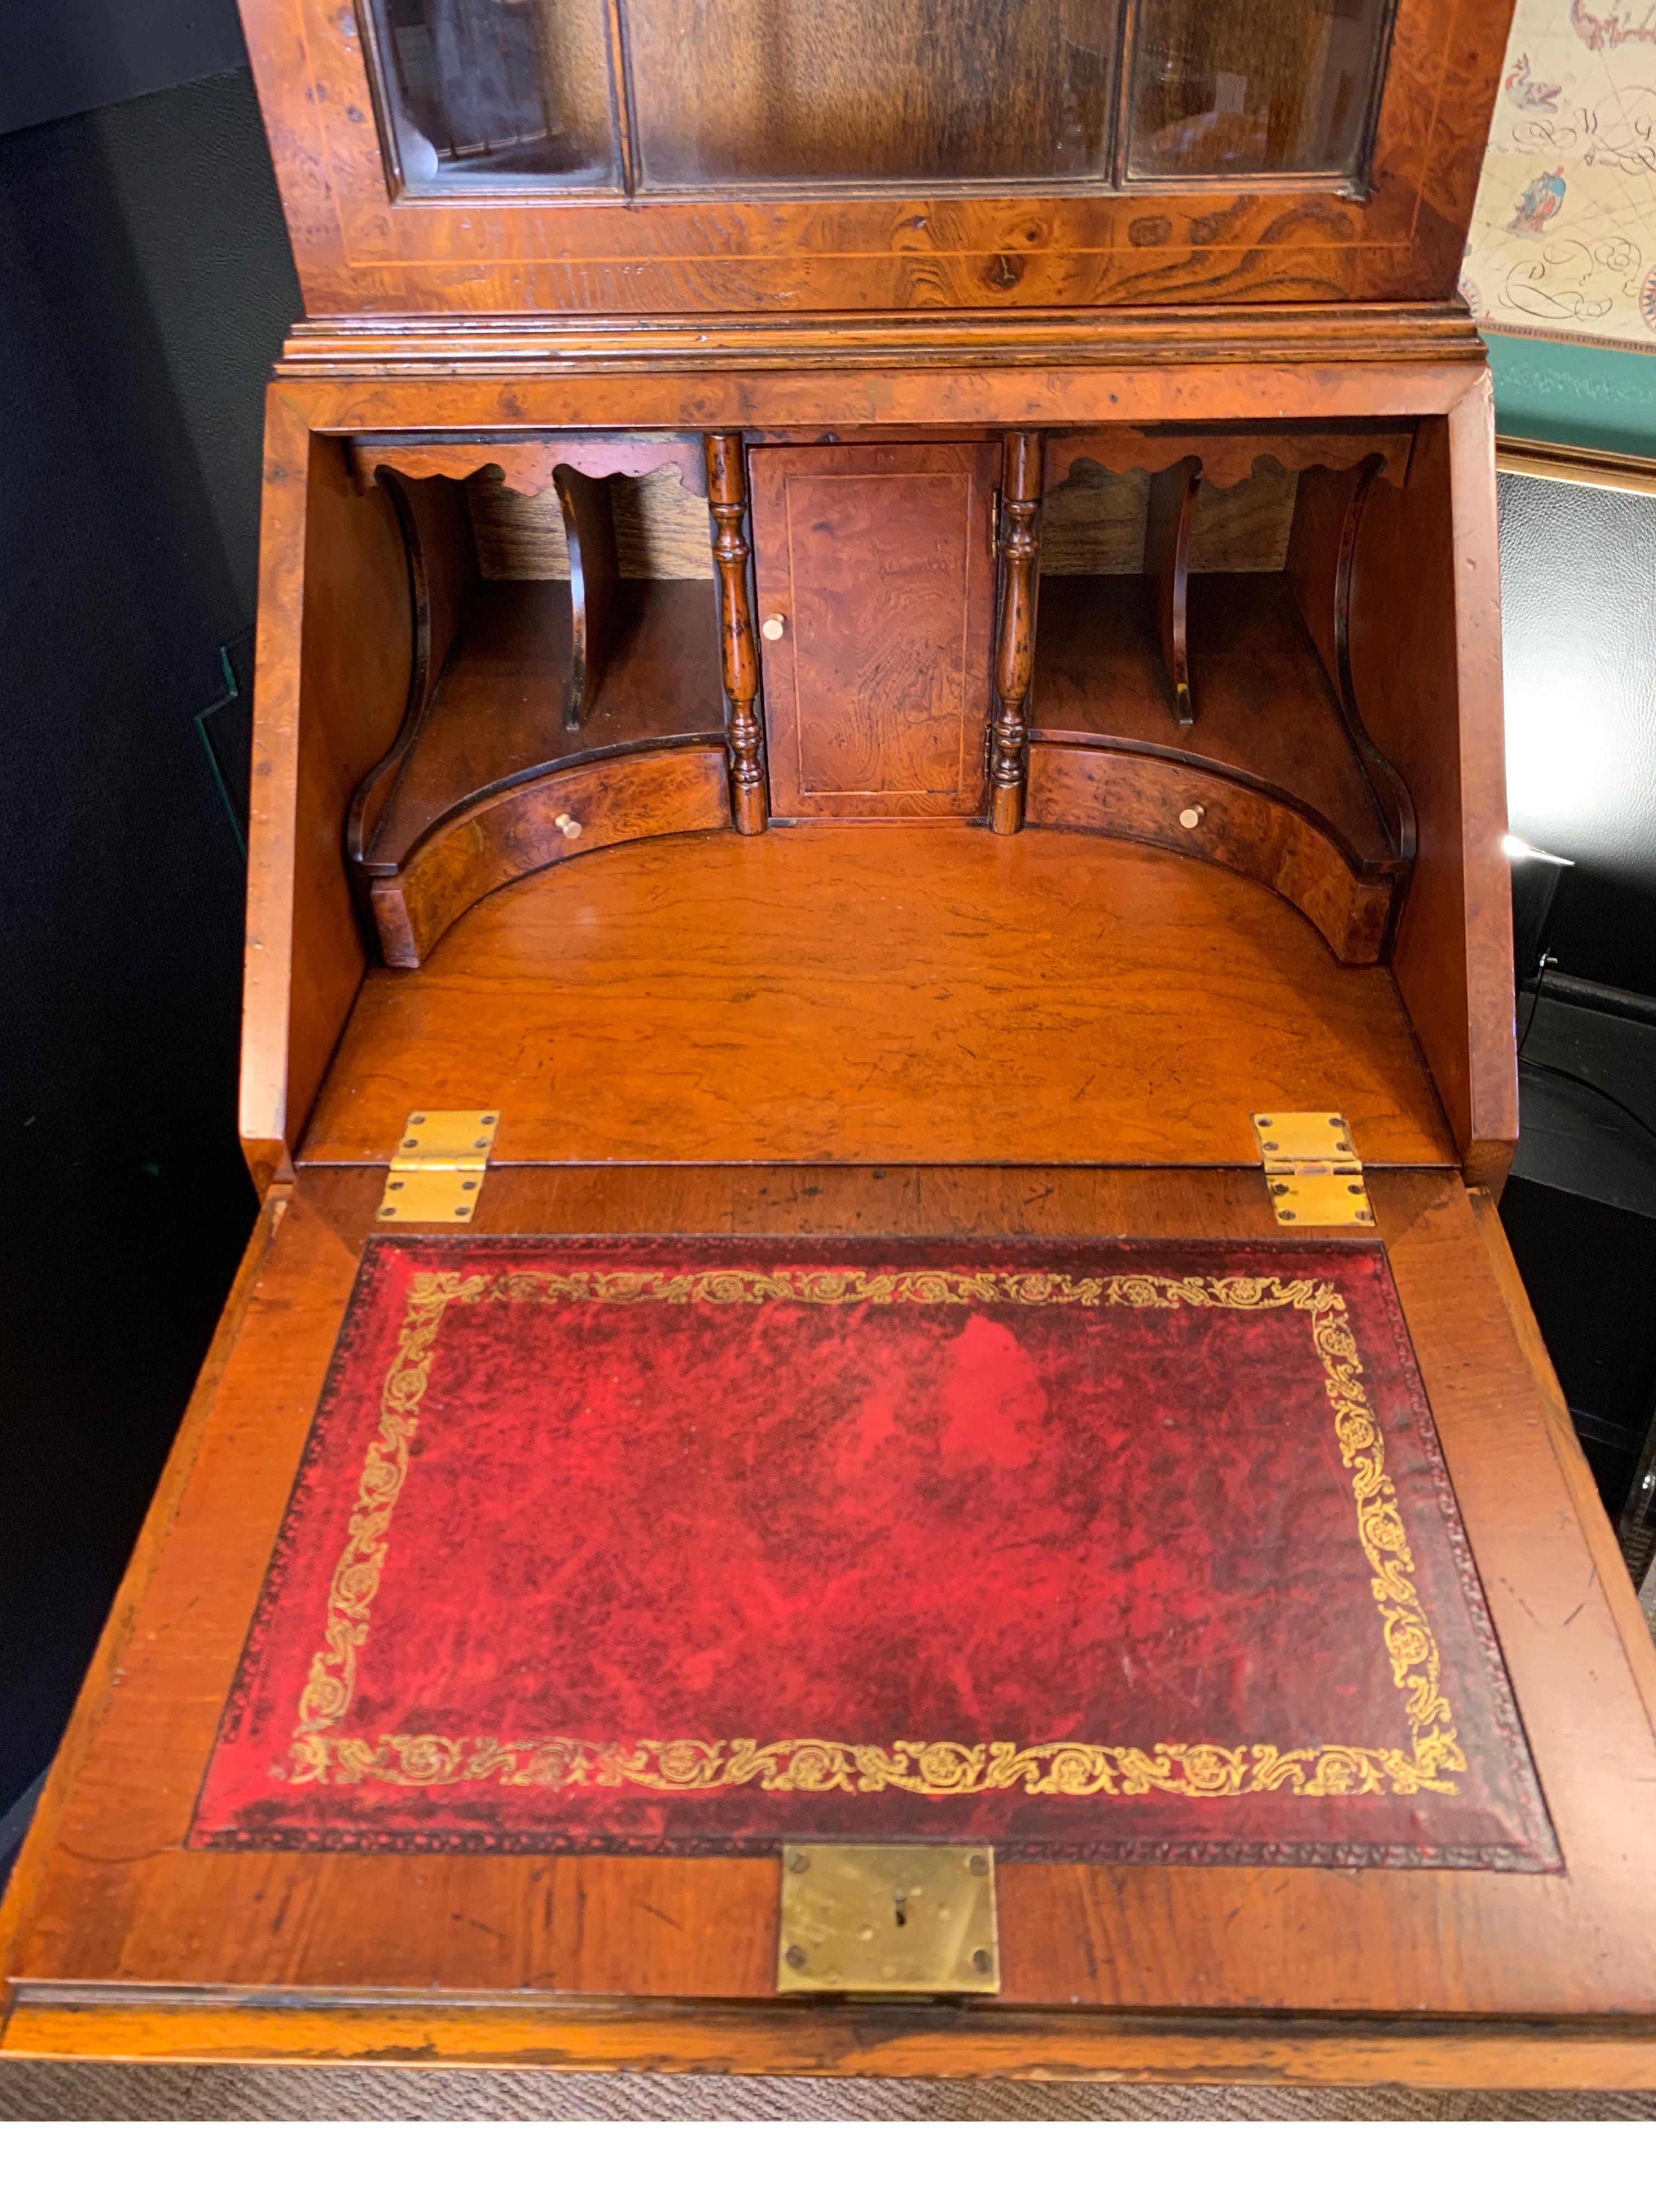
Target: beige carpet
{"x": 36, "y": 2090}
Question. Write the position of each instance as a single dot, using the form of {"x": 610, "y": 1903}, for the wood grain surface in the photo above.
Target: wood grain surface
{"x": 801, "y": 246}
{"x": 568, "y": 811}
{"x": 1264, "y": 707}
{"x": 1185, "y": 808}
{"x": 1425, "y": 657}
{"x": 903, "y": 993}
{"x": 661, "y": 527}
{"x": 1169, "y": 515}
{"x": 738, "y": 648}
{"x": 524, "y": 465}
{"x": 594, "y": 574}
{"x": 120, "y": 1940}
{"x": 1015, "y": 640}
{"x": 1231, "y": 453}
{"x": 336, "y": 663}
{"x": 496, "y": 712}
{"x": 1092, "y": 522}
{"x": 878, "y": 564}
{"x": 443, "y": 572}
{"x": 889, "y": 1027}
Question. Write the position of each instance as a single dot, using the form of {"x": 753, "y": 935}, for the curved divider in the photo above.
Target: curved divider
{"x": 534, "y": 821}
{"x": 1211, "y": 813}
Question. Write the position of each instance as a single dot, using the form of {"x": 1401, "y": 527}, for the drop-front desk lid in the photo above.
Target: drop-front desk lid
{"x": 537, "y": 1607}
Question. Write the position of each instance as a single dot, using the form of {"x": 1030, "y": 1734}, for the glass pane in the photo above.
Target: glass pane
{"x": 840, "y": 91}
{"x": 493, "y": 90}
{"x": 1232, "y": 87}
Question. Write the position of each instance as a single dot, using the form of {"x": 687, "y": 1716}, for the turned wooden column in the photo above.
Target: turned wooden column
{"x": 727, "y": 492}
{"x": 1014, "y": 654}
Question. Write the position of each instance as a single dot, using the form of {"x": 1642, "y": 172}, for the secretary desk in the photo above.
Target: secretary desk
{"x": 878, "y": 668}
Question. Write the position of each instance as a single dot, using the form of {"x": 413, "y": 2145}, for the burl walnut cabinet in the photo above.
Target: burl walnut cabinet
{"x": 881, "y": 621}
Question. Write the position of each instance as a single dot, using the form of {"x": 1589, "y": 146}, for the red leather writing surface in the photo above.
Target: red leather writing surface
{"x": 1102, "y": 1550}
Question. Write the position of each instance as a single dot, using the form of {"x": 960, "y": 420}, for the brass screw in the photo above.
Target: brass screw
{"x": 794, "y": 1957}
{"x": 798, "y": 1861}
{"x": 977, "y": 1864}
{"x": 980, "y": 1960}
{"x": 1288, "y": 1214}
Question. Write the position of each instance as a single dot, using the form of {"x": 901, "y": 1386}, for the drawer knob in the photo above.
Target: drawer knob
{"x": 773, "y": 627}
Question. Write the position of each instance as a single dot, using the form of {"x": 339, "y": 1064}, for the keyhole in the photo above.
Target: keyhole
{"x": 900, "y": 1906}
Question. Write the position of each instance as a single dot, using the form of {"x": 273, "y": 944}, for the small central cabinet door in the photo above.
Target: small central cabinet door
{"x": 875, "y": 567}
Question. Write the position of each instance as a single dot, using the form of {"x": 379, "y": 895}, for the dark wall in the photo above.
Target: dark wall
{"x": 68, "y": 56}
{"x": 145, "y": 287}
{"x": 1579, "y": 596}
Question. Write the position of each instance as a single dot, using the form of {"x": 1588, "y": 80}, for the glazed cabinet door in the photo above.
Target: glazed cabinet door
{"x": 874, "y": 568}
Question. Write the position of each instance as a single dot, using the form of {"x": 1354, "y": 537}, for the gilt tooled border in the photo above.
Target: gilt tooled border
{"x": 320, "y": 1753}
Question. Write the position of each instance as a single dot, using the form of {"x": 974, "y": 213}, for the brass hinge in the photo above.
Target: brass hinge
{"x": 437, "y": 1174}
{"x": 1313, "y": 1171}
{"x": 889, "y": 1919}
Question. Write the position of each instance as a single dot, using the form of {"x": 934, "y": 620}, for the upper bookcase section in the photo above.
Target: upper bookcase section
{"x": 665, "y": 157}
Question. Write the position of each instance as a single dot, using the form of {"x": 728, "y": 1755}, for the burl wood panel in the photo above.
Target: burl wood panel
{"x": 878, "y": 563}
{"x": 896, "y": 993}
{"x": 803, "y": 250}
{"x": 533, "y": 826}
{"x": 118, "y": 1941}
{"x": 1178, "y": 805}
